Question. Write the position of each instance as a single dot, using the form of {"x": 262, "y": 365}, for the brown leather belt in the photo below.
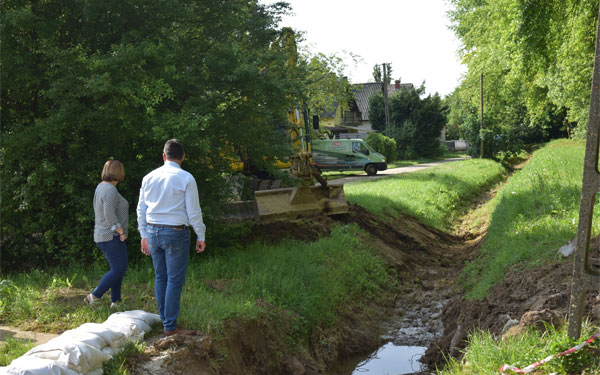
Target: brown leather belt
{"x": 181, "y": 226}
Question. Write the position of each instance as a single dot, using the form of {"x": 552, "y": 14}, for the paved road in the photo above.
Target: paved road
{"x": 388, "y": 172}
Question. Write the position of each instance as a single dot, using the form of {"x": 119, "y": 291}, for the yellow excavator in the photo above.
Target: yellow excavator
{"x": 307, "y": 198}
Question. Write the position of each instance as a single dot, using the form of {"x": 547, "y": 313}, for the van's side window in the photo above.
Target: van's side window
{"x": 359, "y": 147}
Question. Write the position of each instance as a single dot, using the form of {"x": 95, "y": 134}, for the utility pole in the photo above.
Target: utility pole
{"x": 481, "y": 121}
{"x": 585, "y": 278}
{"x": 385, "y": 101}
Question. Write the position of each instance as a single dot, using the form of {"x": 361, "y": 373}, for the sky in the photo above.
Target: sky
{"x": 412, "y": 35}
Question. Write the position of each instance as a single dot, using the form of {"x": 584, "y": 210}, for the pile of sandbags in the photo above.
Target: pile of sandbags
{"x": 83, "y": 350}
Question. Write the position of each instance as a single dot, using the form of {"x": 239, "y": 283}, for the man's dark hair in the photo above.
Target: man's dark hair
{"x": 173, "y": 149}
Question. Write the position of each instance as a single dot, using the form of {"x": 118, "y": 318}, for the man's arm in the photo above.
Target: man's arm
{"x": 194, "y": 212}
{"x": 141, "y": 218}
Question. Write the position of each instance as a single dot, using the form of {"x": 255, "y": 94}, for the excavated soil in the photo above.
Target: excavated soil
{"x": 427, "y": 262}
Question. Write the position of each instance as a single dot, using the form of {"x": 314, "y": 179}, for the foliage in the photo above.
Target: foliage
{"x": 415, "y": 122}
{"x": 323, "y": 82}
{"x": 84, "y": 82}
{"x": 377, "y": 112}
{"x": 116, "y": 366}
{"x": 435, "y": 196}
{"x": 536, "y": 60}
{"x": 534, "y": 214}
{"x": 11, "y": 348}
{"x": 486, "y": 354}
{"x": 378, "y": 75}
{"x": 384, "y": 145}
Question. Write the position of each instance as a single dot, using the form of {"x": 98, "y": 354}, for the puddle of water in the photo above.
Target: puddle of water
{"x": 391, "y": 359}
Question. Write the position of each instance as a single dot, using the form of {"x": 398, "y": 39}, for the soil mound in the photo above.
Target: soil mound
{"x": 527, "y": 298}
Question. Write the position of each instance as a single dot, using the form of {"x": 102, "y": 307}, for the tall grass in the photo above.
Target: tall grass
{"x": 12, "y": 348}
{"x": 485, "y": 354}
{"x": 534, "y": 214}
{"x": 435, "y": 195}
{"x": 312, "y": 281}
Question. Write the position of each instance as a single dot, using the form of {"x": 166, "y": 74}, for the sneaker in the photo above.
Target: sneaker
{"x": 114, "y": 305}
{"x": 90, "y": 299}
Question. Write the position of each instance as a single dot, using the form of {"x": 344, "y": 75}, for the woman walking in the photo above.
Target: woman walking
{"x": 111, "y": 213}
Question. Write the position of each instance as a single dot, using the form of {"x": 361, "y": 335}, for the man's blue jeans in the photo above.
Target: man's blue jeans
{"x": 115, "y": 252}
{"x": 170, "y": 250}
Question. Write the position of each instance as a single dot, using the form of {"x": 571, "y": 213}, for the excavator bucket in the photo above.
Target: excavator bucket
{"x": 303, "y": 200}
{"x": 300, "y": 201}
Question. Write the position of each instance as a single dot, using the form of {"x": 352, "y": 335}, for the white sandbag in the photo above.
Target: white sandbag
{"x": 114, "y": 339}
{"x": 37, "y": 366}
{"x": 84, "y": 349}
{"x": 134, "y": 329}
{"x": 85, "y": 337}
{"x": 149, "y": 318}
{"x": 75, "y": 355}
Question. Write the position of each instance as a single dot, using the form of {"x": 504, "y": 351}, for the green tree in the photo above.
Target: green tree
{"x": 378, "y": 73}
{"x": 384, "y": 145}
{"x": 377, "y": 112}
{"x": 85, "y": 81}
{"x": 536, "y": 58}
{"x": 415, "y": 122}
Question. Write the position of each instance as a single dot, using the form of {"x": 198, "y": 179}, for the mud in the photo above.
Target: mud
{"x": 524, "y": 299}
{"x": 425, "y": 310}
{"x": 426, "y": 261}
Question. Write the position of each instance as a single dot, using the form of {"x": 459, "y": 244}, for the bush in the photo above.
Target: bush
{"x": 384, "y": 145}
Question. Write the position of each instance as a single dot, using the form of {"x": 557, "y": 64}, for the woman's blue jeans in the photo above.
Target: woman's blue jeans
{"x": 115, "y": 252}
{"x": 170, "y": 250}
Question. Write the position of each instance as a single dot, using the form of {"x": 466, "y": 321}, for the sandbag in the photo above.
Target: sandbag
{"x": 75, "y": 355}
{"x": 37, "y": 366}
{"x": 83, "y": 350}
{"x": 149, "y": 318}
{"x": 114, "y": 339}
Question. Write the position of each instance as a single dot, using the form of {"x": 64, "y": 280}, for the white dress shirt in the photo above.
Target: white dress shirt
{"x": 169, "y": 195}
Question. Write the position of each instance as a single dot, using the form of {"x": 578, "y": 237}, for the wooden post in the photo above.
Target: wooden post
{"x": 385, "y": 101}
{"x": 481, "y": 118}
{"x": 584, "y": 277}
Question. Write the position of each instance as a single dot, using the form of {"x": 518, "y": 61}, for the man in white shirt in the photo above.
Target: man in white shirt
{"x": 167, "y": 207}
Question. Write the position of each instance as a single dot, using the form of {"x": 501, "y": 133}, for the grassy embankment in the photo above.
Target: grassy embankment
{"x": 436, "y": 196}
{"x": 534, "y": 214}
{"x": 314, "y": 281}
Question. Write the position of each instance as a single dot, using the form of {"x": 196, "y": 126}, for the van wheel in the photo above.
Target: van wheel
{"x": 371, "y": 170}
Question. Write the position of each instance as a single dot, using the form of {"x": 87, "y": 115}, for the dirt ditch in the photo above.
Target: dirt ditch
{"x": 426, "y": 310}
{"x": 426, "y": 261}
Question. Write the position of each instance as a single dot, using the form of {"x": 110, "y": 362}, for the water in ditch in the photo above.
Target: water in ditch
{"x": 409, "y": 331}
{"x": 389, "y": 359}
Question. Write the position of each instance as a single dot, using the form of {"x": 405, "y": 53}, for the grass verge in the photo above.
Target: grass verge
{"x": 13, "y": 348}
{"x": 534, "y": 214}
{"x": 485, "y": 355}
{"x": 314, "y": 282}
{"x": 436, "y": 196}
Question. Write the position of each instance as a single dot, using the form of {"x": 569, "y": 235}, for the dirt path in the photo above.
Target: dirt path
{"x": 36, "y": 338}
